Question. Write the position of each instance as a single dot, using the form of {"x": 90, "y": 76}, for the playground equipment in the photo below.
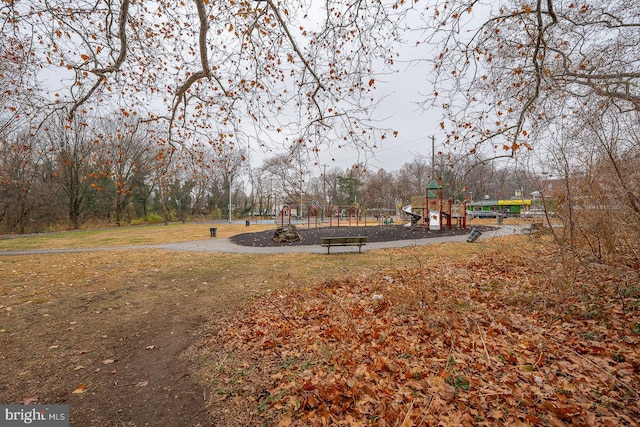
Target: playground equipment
{"x": 435, "y": 210}
{"x": 350, "y": 211}
{"x": 314, "y": 212}
{"x": 462, "y": 214}
{"x": 286, "y": 210}
{"x": 312, "y": 209}
{"x": 415, "y": 218}
{"x": 436, "y": 207}
{"x": 334, "y": 209}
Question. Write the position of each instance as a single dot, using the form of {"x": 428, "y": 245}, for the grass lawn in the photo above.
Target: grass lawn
{"x": 465, "y": 333}
{"x": 123, "y": 236}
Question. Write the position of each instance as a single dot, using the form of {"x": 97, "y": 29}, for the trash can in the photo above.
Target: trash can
{"x": 247, "y": 223}
{"x": 475, "y": 233}
{"x": 500, "y": 218}
{"x": 213, "y": 232}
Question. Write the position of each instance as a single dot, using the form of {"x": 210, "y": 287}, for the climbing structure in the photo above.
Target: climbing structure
{"x": 438, "y": 213}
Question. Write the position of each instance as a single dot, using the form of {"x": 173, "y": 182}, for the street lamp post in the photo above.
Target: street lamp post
{"x": 230, "y": 181}
{"x": 324, "y": 191}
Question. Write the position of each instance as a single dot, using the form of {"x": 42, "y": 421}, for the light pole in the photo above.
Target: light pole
{"x": 230, "y": 181}
{"x": 324, "y": 191}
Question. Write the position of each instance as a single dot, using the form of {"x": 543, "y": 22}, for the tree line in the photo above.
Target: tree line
{"x": 114, "y": 171}
{"x": 105, "y": 171}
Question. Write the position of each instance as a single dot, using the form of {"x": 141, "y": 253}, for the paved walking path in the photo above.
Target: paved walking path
{"x": 224, "y": 245}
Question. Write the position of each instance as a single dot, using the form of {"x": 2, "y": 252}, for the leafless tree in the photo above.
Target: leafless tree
{"x": 226, "y": 170}
{"x": 507, "y": 72}
{"x": 605, "y": 193}
{"x": 379, "y": 190}
{"x": 71, "y": 151}
{"x": 413, "y": 178}
{"x": 331, "y": 181}
{"x": 298, "y": 70}
{"x": 289, "y": 174}
{"x": 123, "y": 154}
{"x": 18, "y": 84}
{"x": 21, "y": 183}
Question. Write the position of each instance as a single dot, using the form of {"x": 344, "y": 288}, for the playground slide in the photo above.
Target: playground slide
{"x": 414, "y": 217}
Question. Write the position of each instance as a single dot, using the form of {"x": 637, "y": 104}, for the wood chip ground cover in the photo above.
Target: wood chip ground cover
{"x": 501, "y": 338}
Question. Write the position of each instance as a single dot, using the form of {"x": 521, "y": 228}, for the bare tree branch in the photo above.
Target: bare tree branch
{"x": 113, "y": 68}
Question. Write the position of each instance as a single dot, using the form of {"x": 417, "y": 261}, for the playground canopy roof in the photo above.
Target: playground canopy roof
{"x": 433, "y": 185}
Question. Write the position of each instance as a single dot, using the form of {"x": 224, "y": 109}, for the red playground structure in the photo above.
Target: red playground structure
{"x": 436, "y": 212}
{"x": 335, "y": 214}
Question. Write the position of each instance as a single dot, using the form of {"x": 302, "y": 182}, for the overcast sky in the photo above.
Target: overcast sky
{"x": 401, "y": 92}
{"x": 400, "y": 111}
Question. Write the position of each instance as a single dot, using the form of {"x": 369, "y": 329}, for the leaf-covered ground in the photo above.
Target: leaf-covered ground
{"x": 507, "y": 337}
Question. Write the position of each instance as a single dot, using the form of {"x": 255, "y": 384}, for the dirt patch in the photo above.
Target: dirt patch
{"x": 151, "y": 384}
{"x": 108, "y": 334}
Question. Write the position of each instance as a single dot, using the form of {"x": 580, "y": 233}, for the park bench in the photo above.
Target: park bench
{"x": 344, "y": 241}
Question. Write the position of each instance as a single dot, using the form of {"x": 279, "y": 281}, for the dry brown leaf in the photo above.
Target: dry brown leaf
{"x": 29, "y": 400}
{"x": 80, "y": 389}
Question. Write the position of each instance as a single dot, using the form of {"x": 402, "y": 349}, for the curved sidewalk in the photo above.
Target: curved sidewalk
{"x": 225, "y": 245}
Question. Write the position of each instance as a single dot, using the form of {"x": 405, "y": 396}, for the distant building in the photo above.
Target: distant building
{"x": 491, "y": 208}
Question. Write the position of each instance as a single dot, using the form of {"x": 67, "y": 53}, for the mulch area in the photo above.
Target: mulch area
{"x": 375, "y": 233}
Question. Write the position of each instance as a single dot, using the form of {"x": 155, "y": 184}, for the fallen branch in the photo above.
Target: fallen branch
{"x": 284, "y": 316}
{"x": 484, "y": 343}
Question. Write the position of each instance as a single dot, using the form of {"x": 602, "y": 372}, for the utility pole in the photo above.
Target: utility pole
{"x": 250, "y": 180}
{"x": 230, "y": 181}
{"x": 324, "y": 190}
{"x": 433, "y": 157}
{"x": 231, "y": 171}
